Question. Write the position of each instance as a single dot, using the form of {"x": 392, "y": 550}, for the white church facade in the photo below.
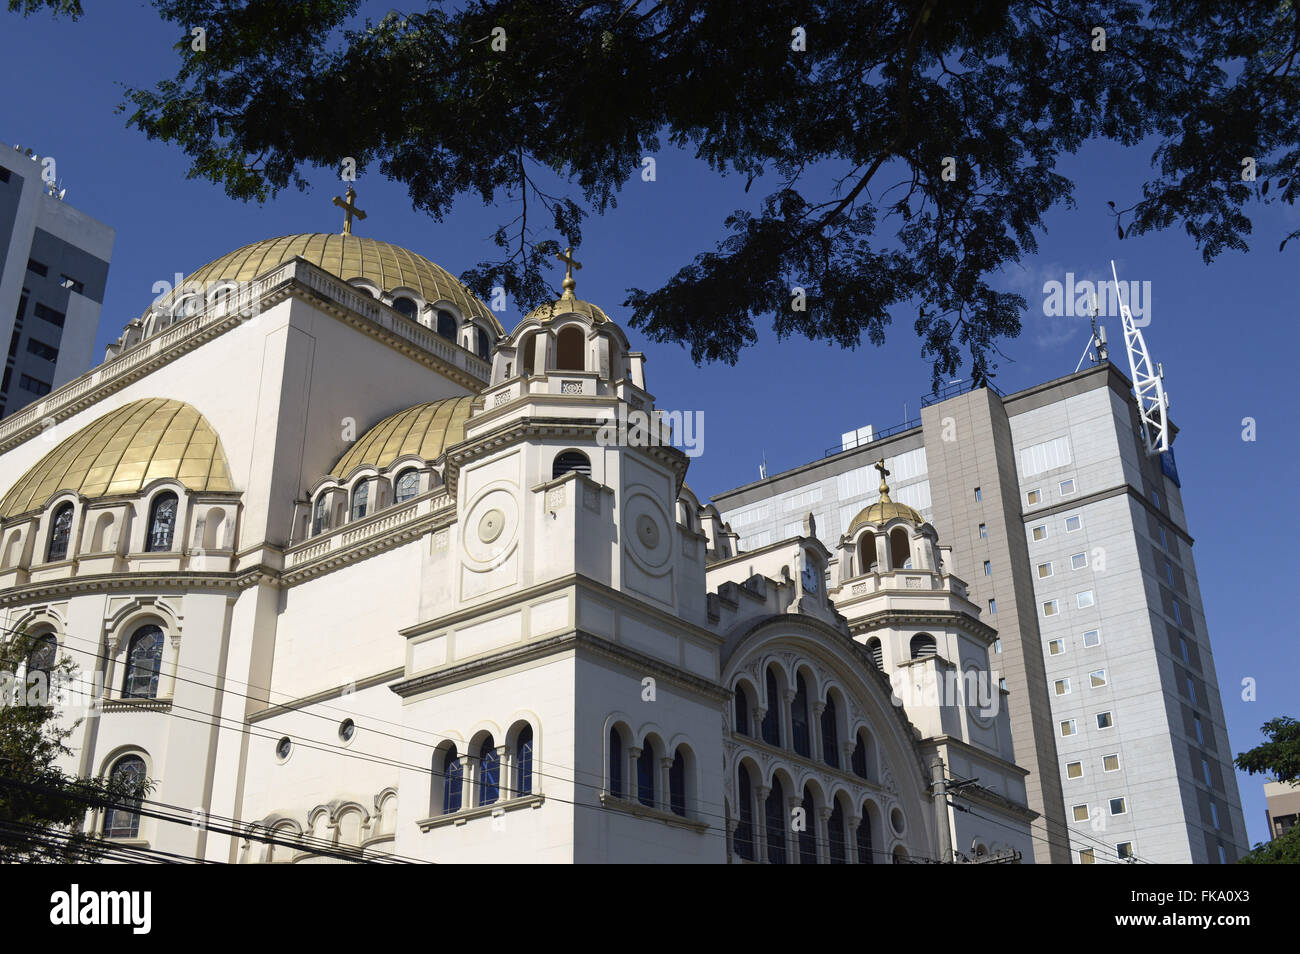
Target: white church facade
{"x": 354, "y": 573}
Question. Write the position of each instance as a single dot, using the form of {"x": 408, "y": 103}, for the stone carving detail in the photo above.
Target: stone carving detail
{"x": 859, "y": 589}
{"x": 913, "y": 582}
{"x": 570, "y": 387}
{"x": 555, "y": 498}
{"x": 441, "y": 538}
{"x": 502, "y": 398}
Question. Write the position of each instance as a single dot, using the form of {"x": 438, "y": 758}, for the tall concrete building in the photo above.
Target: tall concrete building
{"x": 53, "y": 269}
{"x": 1075, "y": 546}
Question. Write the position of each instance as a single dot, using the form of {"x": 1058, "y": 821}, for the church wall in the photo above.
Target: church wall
{"x": 526, "y": 829}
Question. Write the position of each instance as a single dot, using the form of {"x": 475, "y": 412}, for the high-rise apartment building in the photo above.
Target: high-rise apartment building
{"x": 53, "y": 269}
{"x": 1076, "y": 549}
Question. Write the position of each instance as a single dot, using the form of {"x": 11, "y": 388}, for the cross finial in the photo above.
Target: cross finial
{"x": 349, "y": 209}
{"x": 884, "y": 487}
{"x": 570, "y": 263}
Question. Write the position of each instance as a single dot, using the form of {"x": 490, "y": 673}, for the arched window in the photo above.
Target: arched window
{"x": 867, "y": 552}
{"x": 320, "y": 515}
{"x": 482, "y": 344}
{"x": 922, "y": 645}
{"x": 799, "y": 718}
{"x": 774, "y": 810}
{"x": 835, "y": 835}
{"x": 453, "y": 774}
{"x": 143, "y": 663}
{"x": 877, "y": 653}
{"x": 743, "y": 840}
{"x": 570, "y": 348}
{"x": 524, "y": 761}
{"x": 405, "y": 306}
{"x": 529, "y": 364}
{"x": 742, "y": 710}
{"x": 41, "y": 655}
{"x": 772, "y": 717}
{"x": 446, "y": 325}
{"x": 489, "y": 773}
{"x": 645, "y": 775}
{"x": 830, "y": 735}
{"x": 574, "y": 461}
{"x": 60, "y": 533}
{"x": 615, "y": 762}
{"x": 407, "y": 486}
{"x": 677, "y": 785}
{"x": 361, "y": 500}
{"x": 900, "y": 549}
{"x": 123, "y": 821}
{"x": 162, "y": 524}
{"x": 865, "y": 855}
{"x": 808, "y": 837}
{"x": 860, "y": 758}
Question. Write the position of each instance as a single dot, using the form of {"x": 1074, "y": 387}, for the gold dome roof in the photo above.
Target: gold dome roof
{"x": 425, "y": 430}
{"x": 884, "y": 509}
{"x": 568, "y": 303}
{"x": 121, "y": 452}
{"x": 348, "y": 257}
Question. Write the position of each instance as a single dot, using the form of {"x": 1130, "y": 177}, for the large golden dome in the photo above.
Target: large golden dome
{"x": 121, "y": 452}
{"x": 883, "y": 511}
{"x": 425, "y": 430}
{"x": 348, "y": 257}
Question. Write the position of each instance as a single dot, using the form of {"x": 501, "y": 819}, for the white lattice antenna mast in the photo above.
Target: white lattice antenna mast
{"x": 1148, "y": 380}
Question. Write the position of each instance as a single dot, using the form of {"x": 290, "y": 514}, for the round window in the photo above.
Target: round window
{"x": 283, "y": 748}
{"x": 896, "y": 819}
{"x": 347, "y": 729}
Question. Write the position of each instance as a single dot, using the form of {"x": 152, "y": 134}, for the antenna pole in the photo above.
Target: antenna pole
{"x": 1148, "y": 388}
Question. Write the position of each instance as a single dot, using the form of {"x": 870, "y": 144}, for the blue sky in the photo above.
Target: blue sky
{"x": 1226, "y": 333}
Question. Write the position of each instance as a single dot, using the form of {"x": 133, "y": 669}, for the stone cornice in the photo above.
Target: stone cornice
{"x": 929, "y": 618}
{"x": 101, "y": 582}
{"x": 334, "y": 692}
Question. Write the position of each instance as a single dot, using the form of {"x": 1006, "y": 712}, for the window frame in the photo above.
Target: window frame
{"x": 1074, "y": 487}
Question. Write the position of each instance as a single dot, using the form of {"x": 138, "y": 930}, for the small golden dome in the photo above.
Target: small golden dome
{"x": 121, "y": 452}
{"x": 348, "y": 257}
{"x": 425, "y": 430}
{"x": 568, "y": 304}
{"x": 884, "y": 509}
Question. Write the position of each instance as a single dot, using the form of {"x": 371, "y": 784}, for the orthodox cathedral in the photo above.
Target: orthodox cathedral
{"x": 351, "y": 573}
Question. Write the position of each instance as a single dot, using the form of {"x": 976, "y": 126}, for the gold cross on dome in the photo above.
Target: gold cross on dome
{"x": 349, "y": 209}
{"x": 570, "y": 263}
{"x": 884, "y": 487}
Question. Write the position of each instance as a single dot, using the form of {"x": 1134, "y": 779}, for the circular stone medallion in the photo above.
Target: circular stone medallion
{"x": 491, "y": 525}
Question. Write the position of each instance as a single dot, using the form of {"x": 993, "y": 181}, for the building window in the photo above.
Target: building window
{"x": 34, "y": 385}
{"x": 407, "y": 486}
{"x": 1073, "y": 523}
{"x": 1044, "y": 570}
{"x": 1182, "y": 648}
{"x": 453, "y": 777}
{"x": 1178, "y": 614}
{"x": 1069, "y": 727}
{"x": 162, "y": 524}
{"x": 1169, "y": 572}
{"x": 743, "y": 840}
{"x": 1085, "y": 599}
{"x": 1205, "y": 770}
{"x": 42, "y": 350}
{"x": 319, "y": 515}
{"x": 866, "y": 855}
{"x": 923, "y": 645}
{"x": 835, "y": 835}
{"x": 1080, "y": 812}
{"x": 446, "y": 326}
{"x": 1214, "y": 814}
{"x": 859, "y": 761}
{"x": 1039, "y": 532}
{"x": 1067, "y": 487}
{"x": 1124, "y": 850}
{"x": 808, "y": 837}
{"x": 1155, "y": 497}
{"x": 347, "y": 730}
{"x": 742, "y": 711}
{"x": 283, "y": 748}
{"x": 997, "y": 645}
{"x": 1061, "y": 687}
{"x": 524, "y": 761}
{"x": 1200, "y": 731}
{"x": 1078, "y": 561}
{"x": 988, "y": 568}
{"x": 645, "y": 775}
{"x": 1087, "y": 856}
{"x": 1051, "y": 607}
{"x": 771, "y": 729}
{"x": 489, "y": 773}
{"x": 776, "y": 822}
{"x": 978, "y": 496}
{"x": 1074, "y": 770}
{"x": 37, "y": 267}
{"x": 361, "y": 500}
{"x": 615, "y": 763}
{"x": 570, "y": 350}
{"x": 74, "y": 286}
{"x": 877, "y": 653}
{"x": 41, "y": 655}
{"x": 482, "y": 344}
{"x": 60, "y": 534}
{"x": 1223, "y": 858}
{"x": 677, "y": 785}
{"x": 1097, "y": 678}
{"x": 1002, "y": 685}
{"x": 1055, "y": 647}
{"x": 1104, "y": 720}
{"x": 46, "y": 313}
{"x": 799, "y": 718}
{"x": 830, "y": 735}
{"x": 571, "y": 461}
{"x": 143, "y": 664}
{"x": 1164, "y": 543}
{"x": 993, "y": 607}
{"x": 1110, "y": 763}
{"x": 123, "y": 821}
{"x": 1092, "y": 638}
{"x": 1034, "y": 497}
{"x": 405, "y": 307}
{"x": 1118, "y": 806}
{"x": 984, "y": 532}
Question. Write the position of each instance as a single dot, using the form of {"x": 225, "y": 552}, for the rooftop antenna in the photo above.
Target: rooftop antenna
{"x": 1097, "y": 341}
{"x": 1148, "y": 380}
{"x": 762, "y": 468}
